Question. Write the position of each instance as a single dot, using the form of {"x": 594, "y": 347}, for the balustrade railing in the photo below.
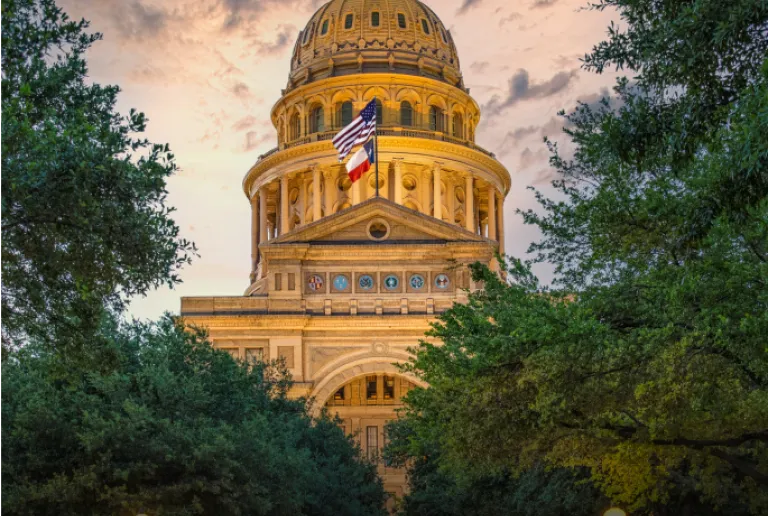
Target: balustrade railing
{"x": 408, "y": 132}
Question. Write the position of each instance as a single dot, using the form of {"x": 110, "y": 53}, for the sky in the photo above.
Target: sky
{"x": 207, "y": 73}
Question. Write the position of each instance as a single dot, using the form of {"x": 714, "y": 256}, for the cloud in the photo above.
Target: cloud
{"x": 239, "y": 12}
{"x": 528, "y": 157}
{"x": 541, "y": 4}
{"x": 467, "y": 5}
{"x": 284, "y": 40}
{"x": 479, "y": 67}
{"x": 245, "y": 123}
{"x": 138, "y": 21}
{"x": 521, "y": 88}
{"x": 253, "y": 140}
{"x": 241, "y": 90}
{"x": 510, "y": 18}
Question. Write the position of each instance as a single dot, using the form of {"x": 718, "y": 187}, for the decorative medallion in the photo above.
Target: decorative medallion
{"x": 392, "y": 282}
{"x": 365, "y": 282}
{"x": 341, "y": 282}
{"x": 417, "y": 282}
{"x": 442, "y": 281}
{"x": 316, "y": 283}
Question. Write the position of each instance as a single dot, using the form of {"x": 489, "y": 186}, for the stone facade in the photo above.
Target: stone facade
{"x": 343, "y": 282}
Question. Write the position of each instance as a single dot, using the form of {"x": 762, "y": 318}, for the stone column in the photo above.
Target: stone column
{"x": 450, "y": 198}
{"x": 284, "y": 202}
{"x": 255, "y": 230}
{"x": 316, "y": 199}
{"x": 425, "y": 191}
{"x": 469, "y": 204}
{"x": 330, "y": 190}
{"x": 438, "y": 195}
{"x": 398, "y": 164}
{"x": 492, "y": 234}
{"x": 263, "y": 231}
{"x": 500, "y": 209}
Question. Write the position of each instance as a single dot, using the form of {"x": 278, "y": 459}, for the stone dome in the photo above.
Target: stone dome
{"x": 346, "y": 37}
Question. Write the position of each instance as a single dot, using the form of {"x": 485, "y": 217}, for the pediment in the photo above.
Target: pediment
{"x": 353, "y": 225}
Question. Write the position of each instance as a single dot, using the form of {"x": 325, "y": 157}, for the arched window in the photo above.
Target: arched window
{"x": 379, "y": 113}
{"x": 346, "y": 114}
{"x": 375, "y": 19}
{"x": 295, "y": 131}
{"x": 442, "y": 34}
{"x": 406, "y": 114}
{"x": 348, "y": 21}
{"x": 324, "y": 30}
{"x": 317, "y": 120}
{"x": 425, "y": 26}
{"x": 458, "y": 126}
{"x": 307, "y": 33}
{"x": 435, "y": 119}
{"x": 401, "y": 21}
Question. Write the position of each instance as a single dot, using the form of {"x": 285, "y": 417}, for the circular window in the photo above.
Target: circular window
{"x": 392, "y": 282}
{"x": 442, "y": 281}
{"x": 417, "y": 282}
{"x": 365, "y": 282}
{"x": 341, "y": 282}
{"x": 316, "y": 283}
{"x": 410, "y": 183}
{"x": 378, "y": 230}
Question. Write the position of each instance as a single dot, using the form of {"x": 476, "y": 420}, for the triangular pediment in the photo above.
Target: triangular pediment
{"x": 354, "y": 225}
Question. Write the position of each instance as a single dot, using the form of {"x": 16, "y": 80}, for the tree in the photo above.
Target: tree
{"x": 84, "y": 221}
{"x": 177, "y": 428}
{"x": 645, "y": 362}
{"x": 434, "y": 491}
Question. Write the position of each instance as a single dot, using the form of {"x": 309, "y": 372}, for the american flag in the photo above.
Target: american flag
{"x": 357, "y": 132}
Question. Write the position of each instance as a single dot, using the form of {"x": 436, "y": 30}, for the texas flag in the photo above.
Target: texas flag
{"x": 361, "y": 162}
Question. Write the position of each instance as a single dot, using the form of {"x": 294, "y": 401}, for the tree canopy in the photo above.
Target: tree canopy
{"x": 84, "y": 220}
{"x": 178, "y": 428}
{"x": 646, "y": 361}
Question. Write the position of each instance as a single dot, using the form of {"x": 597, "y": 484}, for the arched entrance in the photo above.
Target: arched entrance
{"x": 365, "y": 404}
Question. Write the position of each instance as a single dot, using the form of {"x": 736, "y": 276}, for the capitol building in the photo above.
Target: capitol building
{"x": 343, "y": 282}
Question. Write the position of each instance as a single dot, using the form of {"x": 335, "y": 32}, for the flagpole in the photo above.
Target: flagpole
{"x": 376, "y": 144}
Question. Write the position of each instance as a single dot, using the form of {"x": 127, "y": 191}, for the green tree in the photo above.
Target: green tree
{"x": 434, "y": 491}
{"x": 646, "y": 362}
{"x": 84, "y": 221}
{"x": 177, "y": 428}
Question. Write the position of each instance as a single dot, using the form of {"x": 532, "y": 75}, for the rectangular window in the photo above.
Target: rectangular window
{"x": 372, "y": 442}
{"x": 254, "y": 355}
{"x": 401, "y": 21}
{"x": 348, "y": 21}
{"x": 425, "y": 26}
{"x": 389, "y": 387}
{"x": 278, "y": 281}
{"x": 324, "y": 30}
{"x": 375, "y": 19}
{"x": 339, "y": 396}
{"x": 291, "y": 281}
{"x": 370, "y": 388}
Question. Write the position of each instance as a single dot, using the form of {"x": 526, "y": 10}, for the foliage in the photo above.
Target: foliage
{"x": 177, "y": 428}
{"x": 84, "y": 221}
{"x": 646, "y": 362}
{"x": 433, "y": 491}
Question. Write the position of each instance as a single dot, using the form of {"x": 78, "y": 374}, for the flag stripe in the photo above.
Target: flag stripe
{"x": 357, "y": 132}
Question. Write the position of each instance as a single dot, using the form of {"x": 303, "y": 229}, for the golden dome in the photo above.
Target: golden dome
{"x": 347, "y": 37}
